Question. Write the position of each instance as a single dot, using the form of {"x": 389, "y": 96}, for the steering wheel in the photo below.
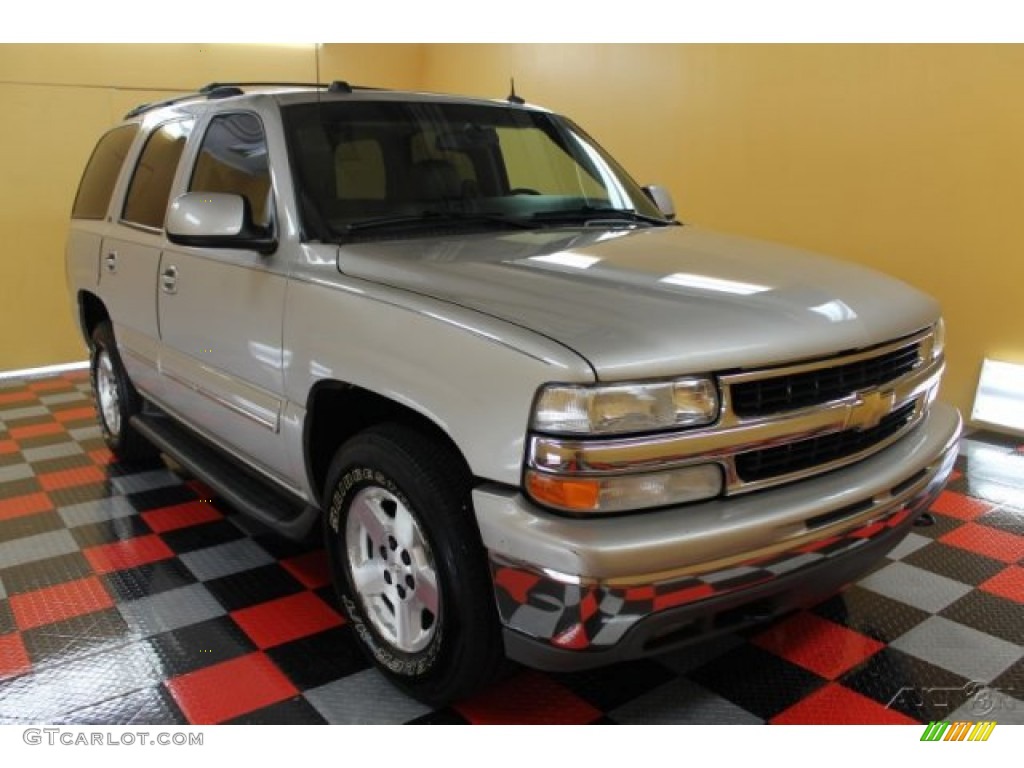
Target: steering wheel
{"x": 523, "y": 191}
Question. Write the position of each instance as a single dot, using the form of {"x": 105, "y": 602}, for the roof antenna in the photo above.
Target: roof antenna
{"x": 512, "y": 94}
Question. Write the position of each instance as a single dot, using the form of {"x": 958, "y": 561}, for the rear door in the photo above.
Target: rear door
{"x": 130, "y": 257}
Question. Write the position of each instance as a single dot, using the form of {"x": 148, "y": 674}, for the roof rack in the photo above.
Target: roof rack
{"x": 224, "y": 90}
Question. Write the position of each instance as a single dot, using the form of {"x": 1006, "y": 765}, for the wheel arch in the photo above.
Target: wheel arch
{"x": 91, "y": 312}
{"x": 337, "y": 410}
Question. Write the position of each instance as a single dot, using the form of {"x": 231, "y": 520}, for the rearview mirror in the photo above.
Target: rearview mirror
{"x": 663, "y": 199}
{"x": 216, "y": 220}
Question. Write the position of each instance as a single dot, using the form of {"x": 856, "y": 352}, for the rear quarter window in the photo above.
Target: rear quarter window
{"x": 101, "y": 173}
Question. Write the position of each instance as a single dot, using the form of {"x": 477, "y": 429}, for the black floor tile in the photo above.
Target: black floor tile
{"x": 242, "y": 590}
{"x": 80, "y": 494}
{"x": 296, "y": 711}
{"x": 909, "y": 685}
{"x": 943, "y": 525}
{"x": 1005, "y": 518}
{"x": 320, "y": 659}
{"x": 756, "y": 680}
{"x": 201, "y": 536}
{"x": 7, "y": 624}
{"x": 955, "y": 563}
{"x": 611, "y": 687}
{"x": 45, "y": 573}
{"x": 29, "y": 525}
{"x": 871, "y": 614}
{"x": 167, "y": 496}
{"x": 80, "y": 636}
{"x": 185, "y": 650}
{"x": 1011, "y": 682}
{"x": 149, "y": 706}
{"x": 445, "y": 716}
{"x": 145, "y": 580}
{"x": 110, "y": 531}
{"x": 989, "y": 613}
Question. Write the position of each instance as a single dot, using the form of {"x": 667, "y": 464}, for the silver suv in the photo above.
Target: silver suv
{"x": 529, "y": 412}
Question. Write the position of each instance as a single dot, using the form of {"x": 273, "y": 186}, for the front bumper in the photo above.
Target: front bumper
{"x": 577, "y": 593}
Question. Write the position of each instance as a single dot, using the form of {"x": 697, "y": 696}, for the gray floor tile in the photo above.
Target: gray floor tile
{"x": 908, "y": 546}
{"x": 45, "y": 695}
{"x": 145, "y": 481}
{"x": 23, "y": 412}
{"x": 15, "y": 472}
{"x": 86, "y": 433}
{"x": 682, "y": 702}
{"x": 38, "y": 547}
{"x": 170, "y": 610}
{"x": 989, "y": 704}
{"x": 958, "y": 648}
{"x": 364, "y": 698}
{"x": 63, "y": 397}
{"x": 915, "y": 586}
{"x": 55, "y": 451}
{"x": 225, "y": 559}
{"x": 96, "y": 511}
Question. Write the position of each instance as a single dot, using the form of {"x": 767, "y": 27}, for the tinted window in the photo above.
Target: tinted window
{"x": 233, "y": 159}
{"x": 146, "y": 202}
{"x": 101, "y": 173}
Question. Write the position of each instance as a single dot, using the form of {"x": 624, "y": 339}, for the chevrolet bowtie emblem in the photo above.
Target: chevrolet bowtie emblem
{"x": 870, "y": 409}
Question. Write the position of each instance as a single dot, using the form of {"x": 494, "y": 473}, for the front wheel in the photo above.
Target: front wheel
{"x": 408, "y": 564}
{"x": 116, "y": 398}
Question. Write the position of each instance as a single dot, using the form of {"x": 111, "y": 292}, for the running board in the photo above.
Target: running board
{"x": 240, "y": 487}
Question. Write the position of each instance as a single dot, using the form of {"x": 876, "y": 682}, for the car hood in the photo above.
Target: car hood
{"x": 654, "y": 302}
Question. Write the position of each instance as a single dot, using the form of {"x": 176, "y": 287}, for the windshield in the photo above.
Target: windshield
{"x": 364, "y": 168}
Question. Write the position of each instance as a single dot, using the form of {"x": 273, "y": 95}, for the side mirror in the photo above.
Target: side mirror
{"x": 216, "y": 220}
{"x": 661, "y": 198}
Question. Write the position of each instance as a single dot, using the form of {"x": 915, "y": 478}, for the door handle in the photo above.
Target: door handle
{"x": 169, "y": 280}
{"x": 111, "y": 261}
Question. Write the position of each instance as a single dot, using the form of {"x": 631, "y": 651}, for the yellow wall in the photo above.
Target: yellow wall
{"x": 905, "y": 158}
{"x": 58, "y": 99}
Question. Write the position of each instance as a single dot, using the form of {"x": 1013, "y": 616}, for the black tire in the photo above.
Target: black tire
{"x": 119, "y": 435}
{"x": 396, "y": 471}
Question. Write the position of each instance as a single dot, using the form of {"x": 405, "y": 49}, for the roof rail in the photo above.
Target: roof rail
{"x": 226, "y": 89}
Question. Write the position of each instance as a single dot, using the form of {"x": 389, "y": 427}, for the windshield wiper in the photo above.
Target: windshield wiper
{"x": 591, "y": 213}
{"x": 434, "y": 218}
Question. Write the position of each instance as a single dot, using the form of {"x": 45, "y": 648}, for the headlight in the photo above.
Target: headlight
{"x": 610, "y": 409}
{"x": 939, "y": 339}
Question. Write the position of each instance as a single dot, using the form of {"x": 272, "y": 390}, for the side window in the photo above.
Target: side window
{"x": 146, "y": 202}
{"x": 101, "y": 173}
{"x": 233, "y": 159}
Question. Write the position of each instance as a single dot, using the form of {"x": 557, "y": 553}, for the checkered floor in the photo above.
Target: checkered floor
{"x": 138, "y": 597}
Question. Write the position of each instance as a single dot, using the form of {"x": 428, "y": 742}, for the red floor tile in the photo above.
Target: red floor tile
{"x": 223, "y": 691}
{"x": 14, "y": 658}
{"x": 1008, "y": 583}
{"x": 35, "y": 430}
{"x": 837, "y": 705}
{"x": 75, "y": 414}
{"x": 18, "y": 396}
{"x": 69, "y": 478}
{"x": 987, "y": 541}
{"x": 127, "y": 554}
{"x": 101, "y": 456}
{"x": 286, "y": 619}
{"x": 75, "y": 376}
{"x": 29, "y": 504}
{"x": 8, "y": 446}
{"x": 817, "y": 644}
{"x": 528, "y": 698}
{"x": 957, "y": 505}
{"x": 59, "y": 602}
{"x": 202, "y": 490}
{"x": 180, "y": 516}
{"x": 310, "y": 569}
{"x": 51, "y": 384}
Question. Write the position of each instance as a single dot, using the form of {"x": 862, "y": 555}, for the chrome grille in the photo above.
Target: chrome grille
{"x": 792, "y": 391}
{"x": 802, "y": 455}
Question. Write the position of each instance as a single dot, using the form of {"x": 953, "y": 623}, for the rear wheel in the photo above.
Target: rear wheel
{"x": 116, "y": 398}
{"x": 408, "y": 564}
